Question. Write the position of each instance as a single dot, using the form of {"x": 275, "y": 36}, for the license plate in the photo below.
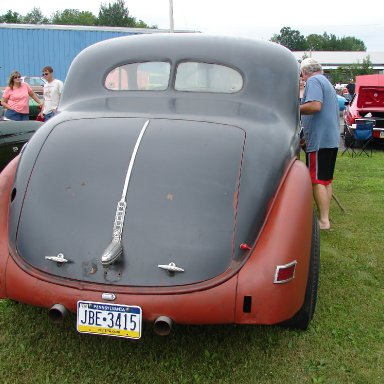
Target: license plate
{"x": 109, "y": 319}
{"x": 381, "y": 134}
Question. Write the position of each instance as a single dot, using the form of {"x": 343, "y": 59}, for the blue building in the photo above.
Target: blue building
{"x": 28, "y": 48}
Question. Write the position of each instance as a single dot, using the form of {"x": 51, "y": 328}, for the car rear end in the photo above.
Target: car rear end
{"x": 368, "y": 103}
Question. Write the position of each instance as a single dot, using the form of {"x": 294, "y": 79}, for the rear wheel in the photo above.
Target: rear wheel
{"x": 304, "y": 316}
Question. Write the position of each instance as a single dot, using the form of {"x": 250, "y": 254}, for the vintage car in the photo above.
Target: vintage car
{"x": 13, "y": 136}
{"x": 167, "y": 190}
{"x": 367, "y": 103}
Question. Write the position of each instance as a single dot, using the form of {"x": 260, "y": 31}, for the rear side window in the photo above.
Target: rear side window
{"x": 148, "y": 76}
{"x": 204, "y": 77}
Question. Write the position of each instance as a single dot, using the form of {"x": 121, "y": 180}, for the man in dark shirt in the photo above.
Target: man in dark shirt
{"x": 351, "y": 88}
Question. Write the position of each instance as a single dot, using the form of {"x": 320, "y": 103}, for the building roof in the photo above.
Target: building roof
{"x": 86, "y": 28}
{"x": 333, "y": 59}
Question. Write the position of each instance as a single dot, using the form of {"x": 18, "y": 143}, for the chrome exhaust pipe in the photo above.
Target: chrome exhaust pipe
{"x": 57, "y": 313}
{"x": 163, "y": 325}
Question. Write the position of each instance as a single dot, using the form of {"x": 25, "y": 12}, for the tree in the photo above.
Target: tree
{"x": 343, "y": 73}
{"x": 294, "y": 41}
{"x": 142, "y": 24}
{"x": 73, "y": 17}
{"x": 115, "y": 15}
{"x": 291, "y": 39}
{"x": 35, "y": 16}
{"x": 351, "y": 44}
{"x": 315, "y": 42}
{"x": 11, "y": 17}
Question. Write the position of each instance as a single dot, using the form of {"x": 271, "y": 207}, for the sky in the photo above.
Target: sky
{"x": 249, "y": 18}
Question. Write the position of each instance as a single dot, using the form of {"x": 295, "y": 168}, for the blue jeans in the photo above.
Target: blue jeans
{"x": 16, "y": 116}
{"x": 48, "y": 116}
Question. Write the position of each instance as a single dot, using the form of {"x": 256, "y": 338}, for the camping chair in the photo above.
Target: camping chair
{"x": 361, "y": 135}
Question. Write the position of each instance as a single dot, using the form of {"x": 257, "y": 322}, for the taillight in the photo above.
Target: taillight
{"x": 285, "y": 273}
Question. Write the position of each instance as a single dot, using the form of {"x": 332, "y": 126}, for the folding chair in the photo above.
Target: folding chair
{"x": 357, "y": 139}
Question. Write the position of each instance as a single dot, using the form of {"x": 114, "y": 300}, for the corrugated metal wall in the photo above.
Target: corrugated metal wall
{"x": 28, "y": 50}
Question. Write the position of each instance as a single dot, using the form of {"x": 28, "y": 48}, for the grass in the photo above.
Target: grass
{"x": 344, "y": 343}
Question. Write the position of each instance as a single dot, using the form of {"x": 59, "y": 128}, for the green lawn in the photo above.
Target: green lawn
{"x": 344, "y": 344}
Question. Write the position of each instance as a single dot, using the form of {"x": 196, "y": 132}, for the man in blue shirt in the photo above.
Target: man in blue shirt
{"x": 320, "y": 120}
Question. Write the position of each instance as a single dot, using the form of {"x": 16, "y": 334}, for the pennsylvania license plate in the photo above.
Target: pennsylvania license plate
{"x": 109, "y": 319}
{"x": 381, "y": 134}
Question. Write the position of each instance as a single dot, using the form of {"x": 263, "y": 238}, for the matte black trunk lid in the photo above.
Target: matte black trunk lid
{"x": 180, "y": 201}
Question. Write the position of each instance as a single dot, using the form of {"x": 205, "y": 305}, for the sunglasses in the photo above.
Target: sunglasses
{"x": 45, "y": 73}
{"x": 16, "y": 77}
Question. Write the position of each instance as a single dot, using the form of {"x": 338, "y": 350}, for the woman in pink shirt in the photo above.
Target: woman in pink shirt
{"x": 16, "y": 98}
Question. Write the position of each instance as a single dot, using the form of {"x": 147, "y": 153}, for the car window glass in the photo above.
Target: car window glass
{"x": 204, "y": 77}
{"x": 34, "y": 81}
{"x": 146, "y": 76}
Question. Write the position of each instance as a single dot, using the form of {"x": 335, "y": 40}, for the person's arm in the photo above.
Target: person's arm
{"x": 4, "y": 103}
{"x": 310, "y": 108}
{"x": 34, "y": 97}
{"x": 59, "y": 92}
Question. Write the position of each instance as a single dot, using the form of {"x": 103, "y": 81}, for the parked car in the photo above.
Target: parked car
{"x": 167, "y": 190}
{"x": 13, "y": 136}
{"x": 367, "y": 103}
{"x": 36, "y": 83}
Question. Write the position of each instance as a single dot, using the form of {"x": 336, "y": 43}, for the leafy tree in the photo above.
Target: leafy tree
{"x": 35, "y": 16}
{"x": 315, "y": 42}
{"x": 11, "y": 17}
{"x": 73, "y": 17}
{"x": 294, "y": 41}
{"x": 351, "y": 44}
{"x": 343, "y": 73}
{"x": 115, "y": 15}
{"x": 142, "y": 24}
{"x": 291, "y": 39}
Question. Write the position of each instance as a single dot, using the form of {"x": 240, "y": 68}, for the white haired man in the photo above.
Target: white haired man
{"x": 320, "y": 119}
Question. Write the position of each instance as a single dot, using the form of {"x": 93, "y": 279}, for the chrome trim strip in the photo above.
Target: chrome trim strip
{"x": 133, "y": 157}
{"x": 115, "y": 248}
{"x": 285, "y": 266}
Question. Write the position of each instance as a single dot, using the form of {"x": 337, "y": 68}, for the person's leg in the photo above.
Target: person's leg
{"x": 321, "y": 165}
{"x": 322, "y": 195}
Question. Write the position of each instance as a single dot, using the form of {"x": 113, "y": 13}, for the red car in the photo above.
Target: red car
{"x": 368, "y": 102}
{"x": 167, "y": 189}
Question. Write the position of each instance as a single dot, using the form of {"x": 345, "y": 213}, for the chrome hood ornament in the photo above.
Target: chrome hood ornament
{"x": 115, "y": 248}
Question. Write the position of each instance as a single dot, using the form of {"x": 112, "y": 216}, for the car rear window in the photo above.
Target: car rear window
{"x": 148, "y": 76}
{"x": 204, "y": 77}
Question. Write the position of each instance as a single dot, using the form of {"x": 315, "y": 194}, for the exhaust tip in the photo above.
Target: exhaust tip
{"x": 163, "y": 325}
{"x": 57, "y": 313}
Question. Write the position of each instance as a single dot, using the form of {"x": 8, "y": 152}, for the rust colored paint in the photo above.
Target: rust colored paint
{"x": 279, "y": 243}
{"x": 6, "y": 182}
{"x": 213, "y": 306}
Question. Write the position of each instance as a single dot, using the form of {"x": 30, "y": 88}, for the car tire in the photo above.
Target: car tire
{"x": 305, "y": 314}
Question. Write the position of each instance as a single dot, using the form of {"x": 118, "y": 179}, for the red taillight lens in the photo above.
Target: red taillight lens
{"x": 285, "y": 273}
